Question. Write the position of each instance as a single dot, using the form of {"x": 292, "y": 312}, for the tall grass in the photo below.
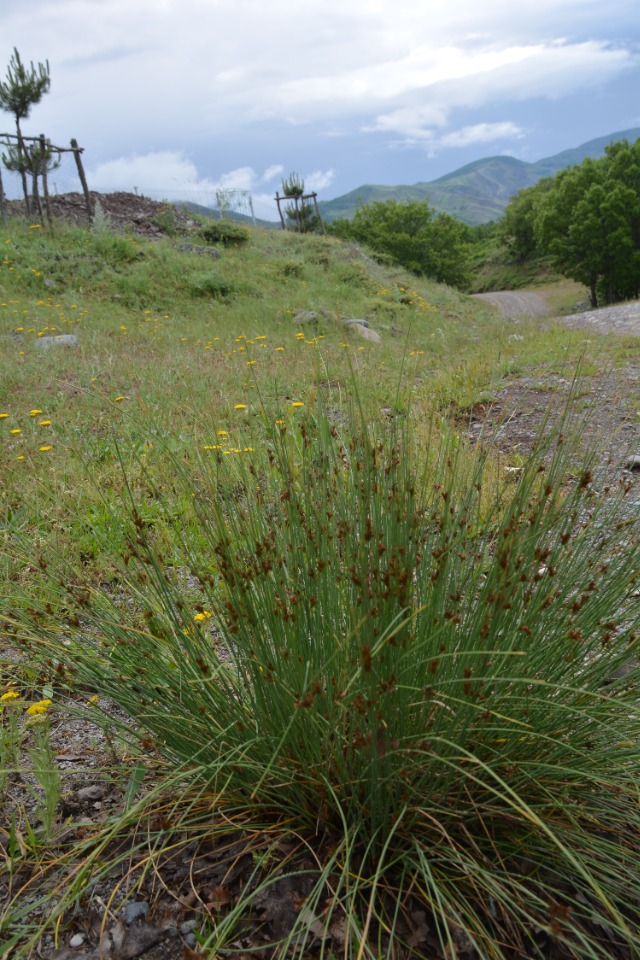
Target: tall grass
{"x": 365, "y": 650}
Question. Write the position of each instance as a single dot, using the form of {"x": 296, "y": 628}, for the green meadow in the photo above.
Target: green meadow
{"x": 345, "y": 636}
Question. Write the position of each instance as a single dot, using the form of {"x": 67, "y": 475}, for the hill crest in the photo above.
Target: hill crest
{"x": 479, "y": 191}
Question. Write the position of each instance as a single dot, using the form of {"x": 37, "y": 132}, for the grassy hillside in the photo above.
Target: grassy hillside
{"x": 478, "y": 192}
{"x": 347, "y": 665}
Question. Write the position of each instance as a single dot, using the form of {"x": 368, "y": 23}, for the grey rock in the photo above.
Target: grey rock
{"x": 190, "y": 940}
{"x": 188, "y": 926}
{"x": 134, "y": 911}
{"x": 63, "y": 340}
{"x": 348, "y": 323}
{"x": 199, "y": 251}
{"x": 366, "y": 333}
{"x": 305, "y": 317}
{"x": 76, "y": 941}
{"x": 95, "y": 792}
{"x": 622, "y": 672}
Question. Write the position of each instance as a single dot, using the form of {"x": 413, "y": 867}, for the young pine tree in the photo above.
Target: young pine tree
{"x": 22, "y": 88}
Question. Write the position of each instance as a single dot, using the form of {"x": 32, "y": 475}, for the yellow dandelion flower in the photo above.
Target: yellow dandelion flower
{"x": 240, "y": 406}
{"x": 279, "y": 422}
{"x": 44, "y": 423}
{"x": 34, "y": 412}
{"x": 46, "y": 447}
{"x": 279, "y": 350}
{"x": 15, "y": 431}
{"x": 3, "y": 416}
{"x": 250, "y": 363}
{"x": 297, "y": 403}
{"x": 118, "y": 399}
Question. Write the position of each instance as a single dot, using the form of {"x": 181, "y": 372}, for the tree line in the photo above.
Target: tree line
{"x": 410, "y": 233}
{"x": 586, "y": 220}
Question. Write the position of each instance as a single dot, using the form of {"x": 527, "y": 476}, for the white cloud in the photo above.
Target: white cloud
{"x": 275, "y": 170}
{"x": 242, "y": 178}
{"x": 157, "y": 174}
{"x": 169, "y": 175}
{"x": 318, "y": 180}
{"x": 481, "y": 133}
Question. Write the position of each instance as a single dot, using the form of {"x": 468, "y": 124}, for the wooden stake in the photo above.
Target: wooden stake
{"x": 45, "y": 185}
{"x": 83, "y": 180}
{"x": 278, "y": 199}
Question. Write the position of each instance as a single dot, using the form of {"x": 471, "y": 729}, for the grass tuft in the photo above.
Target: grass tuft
{"x": 362, "y": 653}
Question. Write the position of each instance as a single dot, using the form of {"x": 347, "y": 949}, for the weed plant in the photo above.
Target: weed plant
{"x": 366, "y": 654}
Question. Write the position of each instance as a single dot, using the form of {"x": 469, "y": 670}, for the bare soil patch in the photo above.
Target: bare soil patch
{"x": 124, "y": 211}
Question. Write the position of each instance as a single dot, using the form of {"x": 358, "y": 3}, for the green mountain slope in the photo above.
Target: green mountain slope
{"x": 479, "y": 191}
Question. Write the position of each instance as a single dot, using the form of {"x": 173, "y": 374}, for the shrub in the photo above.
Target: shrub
{"x": 406, "y": 678}
{"x": 225, "y": 232}
{"x": 210, "y": 285}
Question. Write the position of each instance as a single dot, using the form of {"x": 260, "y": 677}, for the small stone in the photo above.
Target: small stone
{"x": 190, "y": 940}
{"x": 134, "y": 911}
{"x": 95, "y": 792}
{"x": 76, "y": 941}
{"x": 366, "y": 333}
{"x": 303, "y": 317}
{"x": 188, "y": 926}
{"x": 63, "y": 340}
{"x": 348, "y": 323}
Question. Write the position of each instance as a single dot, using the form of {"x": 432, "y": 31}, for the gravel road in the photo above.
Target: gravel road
{"x": 514, "y": 303}
{"x": 621, "y": 318}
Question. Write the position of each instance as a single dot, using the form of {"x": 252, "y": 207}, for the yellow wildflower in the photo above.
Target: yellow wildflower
{"x": 46, "y": 447}
{"x": 44, "y": 423}
{"x": 297, "y": 403}
{"x": 3, "y": 416}
{"x": 200, "y": 617}
{"x": 37, "y": 708}
{"x": 34, "y": 412}
{"x": 10, "y": 695}
{"x": 240, "y": 406}
{"x": 15, "y": 431}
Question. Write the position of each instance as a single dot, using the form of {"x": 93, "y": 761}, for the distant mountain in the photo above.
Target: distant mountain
{"x": 214, "y": 214}
{"x": 479, "y": 191}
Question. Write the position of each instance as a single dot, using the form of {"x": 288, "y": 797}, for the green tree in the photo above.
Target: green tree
{"x": 589, "y": 223}
{"x": 517, "y": 227}
{"x": 301, "y": 214}
{"x": 435, "y": 246}
{"x": 19, "y": 92}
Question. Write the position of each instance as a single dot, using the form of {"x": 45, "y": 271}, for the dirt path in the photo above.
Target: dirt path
{"x": 515, "y": 303}
{"x": 621, "y": 318}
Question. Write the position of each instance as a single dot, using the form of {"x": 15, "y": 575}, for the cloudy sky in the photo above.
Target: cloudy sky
{"x": 178, "y": 98}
